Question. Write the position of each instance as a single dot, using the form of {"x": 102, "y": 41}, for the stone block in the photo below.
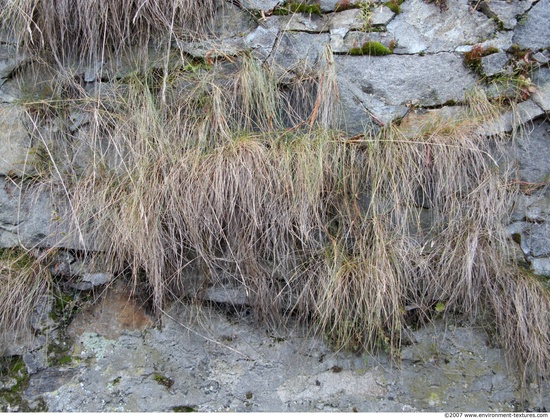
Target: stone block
{"x": 446, "y": 31}
{"x": 538, "y": 240}
{"x": 541, "y": 266}
{"x": 10, "y": 59}
{"x": 16, "y": 152}
{"x": 534, "y": 31}
{"x": 494, "y": 64}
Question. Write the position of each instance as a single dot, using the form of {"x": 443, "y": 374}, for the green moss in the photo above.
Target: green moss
{"x": 292, "y": 7}
{"x": 517, "y": 52}
{"x": 66, "y": 359}
{"x": 184, "y": 408}
{"x": 472, "y": 59}
{"x": 58, "y": 352}
{"x": 394, "y": 6}
{"x": 163, "y": 380}
{"x": 371, "y": 48}
{"x": 16, "y": 258}
{"x": 13, "y": 368}
{"x": 499, "y": 23}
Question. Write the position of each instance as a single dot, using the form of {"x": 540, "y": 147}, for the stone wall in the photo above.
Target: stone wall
{"x": 393, "y": 63}
{"x": 425, "y": 71}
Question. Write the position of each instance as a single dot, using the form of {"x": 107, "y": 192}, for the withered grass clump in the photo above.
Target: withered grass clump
{"x": 239, "y": 175}
{"x": 95, "y": 31}
{"x": 23, "y": 282}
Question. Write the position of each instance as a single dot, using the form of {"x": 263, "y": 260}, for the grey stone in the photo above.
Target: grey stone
{"x": 337, "y": 40}
{"x": 35, "y": 217}
{"x": 90, "y": 280}
{"x": 381, "y": 16}
{"x": 7, "y": 383}
{"x": 47, "y": 381}
{"x": 364, "y": 112}
{"x": 501, "y": 41}
{"x": 231, "y": 21}
{"x": 16, "y": 156}
{"x": 36, "y": 360}
{"x": 221, "y": 364}
{"x": 10, "y": 59}
{"x": 540, "y": 58}
{"x": 524, "y": 113}
{"x": 446, "y": 30}
{"x": 299, "y": 52}
{"x": 233, "y": 295}
{"x": 533, "y": 153}
{"x": 494, "y": 64}
{"x": 78, "y": 119}
{"x": 17, "y": 344}
{"x": 539, "y": 210}
{"x": 517, "y": 231}
{"x": 261, "y": 41}
{"x": 300, "y": 22}
{"x": 409, "y": 38}
{"x": 213, "y": 48}
{"x": 335, "y": 5}
{"x": 328, "y": 5}
{"x": 40, "y": 319}
{"x": 377, "y": 90}
{"x": 534, "y": 31}
{"x": 541, "y": 266}
{"x": 541, "y": 96}
{"x": 264, "y": 5}
{"x": 538, "y": 240}
{"x": 397, "y": 80}
{"x": 505, "y": 10}
{"x": 348, "y": 19}
{"x": 93, "y": 72}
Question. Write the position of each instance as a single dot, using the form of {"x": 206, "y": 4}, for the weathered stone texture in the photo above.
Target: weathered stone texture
{"x": 430, "y": 80}
{"x": 299, "y": 52}
{"x": 494, "y": 64}
{"x": 10, "y": 59}
{"x": 534, "y": 31}
{"x": 422, "y": 27}
{"x": 506, "y": 11}
{"x": 15, "y": 142}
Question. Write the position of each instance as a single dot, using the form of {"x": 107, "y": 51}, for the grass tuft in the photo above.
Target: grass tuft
{"x": 24, "y": 280}
{"x": 97, "y": 31}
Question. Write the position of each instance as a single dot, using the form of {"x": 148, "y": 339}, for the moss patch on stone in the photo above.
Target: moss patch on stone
{"x": 371, "y": 48}
{"x": 13, "y": 381}
{"x": 294, "y": 7}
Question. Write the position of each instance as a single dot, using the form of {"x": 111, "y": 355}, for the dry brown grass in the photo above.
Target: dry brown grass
{"x": 23, "y": 282}
{"x": 97, "y": 31}
{"x": 227, "y": 174}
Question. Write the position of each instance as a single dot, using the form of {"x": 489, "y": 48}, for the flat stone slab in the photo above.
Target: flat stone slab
{"x": 208, "y": 361}
{"x": 534, "y": 31}
{"x": 524, "y": 113}
{"x": 429, "y": 80}
{"x": 542, "y": 94}
{"x": 446, "y": 30}
{"x": 10, "y": 59}
{"x": 16, "y": 156}
{"x": 538, "y": 240}
{"x": 506, "y": 10}
{"x": 300, "y": 52}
